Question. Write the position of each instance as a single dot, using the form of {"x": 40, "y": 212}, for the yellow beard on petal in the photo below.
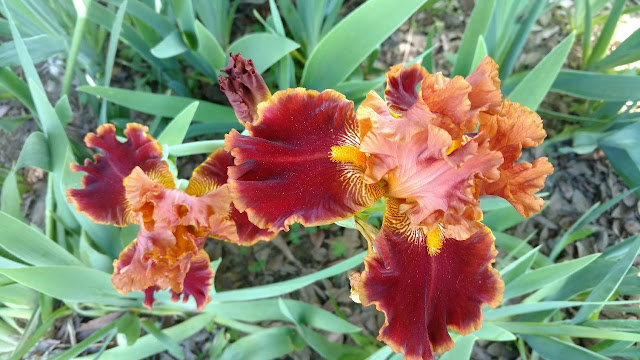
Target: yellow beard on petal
{"x": 434, "y": 241}
{"x": 348, "y": 154}
{"x": 457, "y": 144}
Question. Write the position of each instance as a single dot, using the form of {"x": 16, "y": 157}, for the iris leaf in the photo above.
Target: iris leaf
{"x": 149, "y": 345}
{"x": 317, "y": 342}
{"x": 16, "y": 87}
{"x": 10, "y": 197}
{"x": 30, "y": 245}
{"x": 535, "y": 85}
{"x": 284, "y": 287}
{"x": 538, "y": 278}
{"x": 171, "y": 345}
{"x": 605, "y": 289}
{"x": 595, "y": 86}
{"x": 462, "y": 349}
{"x": 627, "y": 52}
{"x": 172, "y": 45}
{"x": 70, "y": 283}
{"x": 209, "y": 47}
{"x": 621, "y": 148}
{"x": 263, "y": 48}
{"x": 263, "y": 310}
{"x": 175, "y": 132}
{"x": 345, "y": 46}
{"x": 267, "y": 344}
{"x": 477, "y": 26}
{"x": 164, "y": 105}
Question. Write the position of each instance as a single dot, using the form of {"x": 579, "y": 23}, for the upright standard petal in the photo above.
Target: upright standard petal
{"x": 515, "y": 127}
{"x": 485, "y": 92}
{"x": 403, "y": 113}
{"x": 210, "y": 175}
{"x": 244, "y": 88}
{"x": 373, "y": 115}
{"x": 436, "y": 188}
{"x": 174, "y": 227}
{"x": 102, "y": 197}
{"x": 424, "y": 292}
{"x": 402, "y": 86}
{"x": 301, "y": 162}
{"x": 449, "y": 99}
{"x": 416, "y": 99}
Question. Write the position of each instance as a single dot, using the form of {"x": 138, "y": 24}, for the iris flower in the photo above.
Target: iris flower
{"x": 431, "y": 147}
{"x": 130, "y": 183}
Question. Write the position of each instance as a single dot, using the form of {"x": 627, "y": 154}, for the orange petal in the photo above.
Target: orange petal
{"x": 422, "y": 293}
{"x": 387, "y": 155}
{"x": 449, "y": 98}
{"x": 244, "y": 88}
{"x": 373, "y": 115}
{"x": 485, "y": 86}
{"x": 160, "y": 258}
{"x": 402, "y": 82}
{"x": 197, "y": 282}
{"x": 154, "y": 205}
{"x": 513, "y": 128}
{"x": 102, "y": 197}
{"x": 301, "y": 162}
{"x": 143, "y": 267}
{"x": 435, "y": 187}
{"x": 174, "y": 228}
{"x": 211, "y": 174}
{"x": 519, "y": 184}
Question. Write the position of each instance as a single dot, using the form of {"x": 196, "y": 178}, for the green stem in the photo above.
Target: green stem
{"x": 49, "y": 222}
{"x": 196, "y": 147}
{"x": 300, "y": 58}
{"x": 82, "y": 7}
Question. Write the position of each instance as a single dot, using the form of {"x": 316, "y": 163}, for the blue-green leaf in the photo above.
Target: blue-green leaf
{"x": 40, "y": 48}
{"x": 70, "y": 283}
{"x": 164, "y": 105}
{"x": 209, "y": 47}
{"x": 284, "y": 287}
{"x": 172, "y": 45}
{"x": 595, "y": 86}
{"x": 538, "y": 278}
{"x": 621, "y": 148}
{"x": 149, "y": 345}
{"x": 353, "y": 39}
{"x": 477, "y": 26}
{"x": 31, "y": 246}
{"x": 35, "y": 152}
{"x": 263, "y": 310}
{"x": 535, "y": 85}
{"x": 605, "y": 289}
{"x": 267, "y": 344}
{"x": 264, "y": 49}
{"x": 175, "y": 132}
{"x": 627, "y": 52}
{"x": 10, "y": 197}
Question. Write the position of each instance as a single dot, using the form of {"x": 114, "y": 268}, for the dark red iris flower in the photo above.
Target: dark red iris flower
{"x": 309, "y": 158}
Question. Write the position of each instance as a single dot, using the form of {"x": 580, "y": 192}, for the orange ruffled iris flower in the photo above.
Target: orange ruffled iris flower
{"x": 309, "y": 158}
{"x": 130, "y": 183}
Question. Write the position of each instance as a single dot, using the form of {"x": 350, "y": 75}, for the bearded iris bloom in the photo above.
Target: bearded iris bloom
{"x": 283, "y": 171}
{"x": 130, "y": 183}
{"x": 431, "y": 148}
